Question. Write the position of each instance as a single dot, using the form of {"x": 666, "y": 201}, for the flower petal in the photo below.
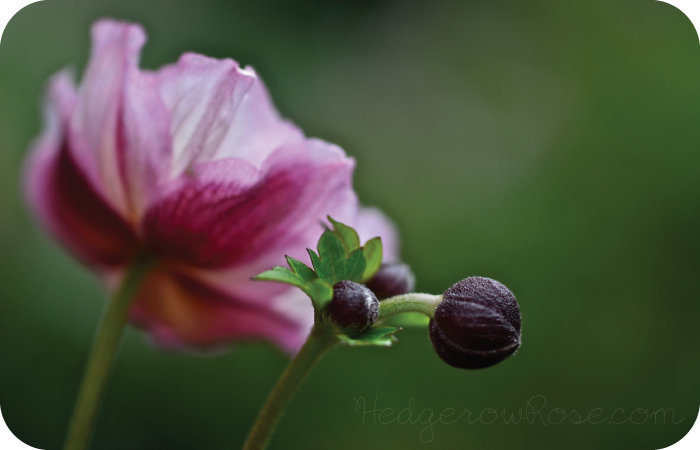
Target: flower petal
{"x": 372, "y": 222}
{"x": 202, "y": 95}
{"x": 228, "y": 212}
{"x": 257, "y": 129}
{"x": 121, "y": 120}
{"x": 62, "y": 195}
{"x": 181, "y": 312}
{"x": 145, "y": 143}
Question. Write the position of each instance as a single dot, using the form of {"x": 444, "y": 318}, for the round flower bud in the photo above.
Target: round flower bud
{"x": 354, "y": 308}
{"x": 476, "y": 325}
{"x": 392, "y": 279}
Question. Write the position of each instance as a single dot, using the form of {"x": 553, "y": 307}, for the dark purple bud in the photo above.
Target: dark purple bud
{"x": 354, "y": 308}
{"x": 476, "y": 325}
{"x": 392, "y": 279}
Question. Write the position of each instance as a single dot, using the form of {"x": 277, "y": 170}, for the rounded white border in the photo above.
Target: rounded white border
{"x": 691, "y": 440}
{"x": 691, "y": 9}
{"x": 8, "y": 8}
{"x": 8, "y": 441}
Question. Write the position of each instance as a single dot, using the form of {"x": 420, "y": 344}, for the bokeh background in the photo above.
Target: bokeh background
{"x": 554, "y": 146}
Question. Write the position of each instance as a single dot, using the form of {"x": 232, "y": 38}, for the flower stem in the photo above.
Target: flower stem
{"x": 420, "y": 303}
{"x": 104, "y": 349}
{"x": 317, "y": 344}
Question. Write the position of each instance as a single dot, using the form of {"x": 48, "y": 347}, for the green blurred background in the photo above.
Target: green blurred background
{"x": 550, "y": 145}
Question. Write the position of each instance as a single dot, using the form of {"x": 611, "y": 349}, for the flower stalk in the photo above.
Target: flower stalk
{"x": 318, "y": 343}
{"x": 420, "y": 303}
{"x": 102, "y": 354}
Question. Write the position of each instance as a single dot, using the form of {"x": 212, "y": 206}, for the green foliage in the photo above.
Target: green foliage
{"x": 377, "y": 336}
{"x": 373, "y": 258}
{"x": 347, "y": 235}
{"x": 301, "y": 269}
{"x": 319, "y": 291}
{"x": 281, "y": 275}
{"x": 334, "y": 264}
{"x": 339, "y": 257}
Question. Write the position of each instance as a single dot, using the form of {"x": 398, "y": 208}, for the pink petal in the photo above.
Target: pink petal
{"x": 372, "y": 222}
{"x": 145, "y": 143}
{"x": 257, "y": 129}
{"x": 181, "y": 312}
{"x": 62, "y": 195}
{"x": 228, "y": 212}
{"x": 202, "y": 95}
{"x": 121, "y": 127}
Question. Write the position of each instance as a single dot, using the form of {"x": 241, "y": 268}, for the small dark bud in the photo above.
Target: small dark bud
{"x": 392, "y": 279}
{"x": 354, "y": 308}
{"x": 476, "y": 325}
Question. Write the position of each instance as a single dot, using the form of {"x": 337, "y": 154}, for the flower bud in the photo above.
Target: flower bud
{"x": 392, "y": 279}
{"x": 354, "y": 308}
{"x": 476, "y": 325}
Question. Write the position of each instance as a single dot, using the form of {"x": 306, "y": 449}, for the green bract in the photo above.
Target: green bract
{"x": 333, "y": 263}
{"x": 339, "y": 257}
{"x": 381, "y": 336}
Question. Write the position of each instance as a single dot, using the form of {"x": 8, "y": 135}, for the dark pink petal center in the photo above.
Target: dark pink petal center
{"x": 215, "y": 223}
{"x": 99, "y": 234}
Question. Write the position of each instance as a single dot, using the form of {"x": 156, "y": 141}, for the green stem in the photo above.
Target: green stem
{"x": 317, "y": 344}
{"x": 420, "y": 303}
{"x": 104, "y": 349}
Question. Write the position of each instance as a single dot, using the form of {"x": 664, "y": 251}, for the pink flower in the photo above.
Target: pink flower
{"x": 192, "y": 163}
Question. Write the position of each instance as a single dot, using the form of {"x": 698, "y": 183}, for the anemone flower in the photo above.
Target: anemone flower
{"x": 192, "y": 165}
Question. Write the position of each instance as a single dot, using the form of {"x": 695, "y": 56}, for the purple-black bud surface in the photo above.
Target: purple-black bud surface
{"x": 354, "y": 307}
{"x": 392, "y": 279}
{"x": 476, "y": 325}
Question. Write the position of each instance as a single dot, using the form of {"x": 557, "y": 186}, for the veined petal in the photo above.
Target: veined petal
{"x": 202, "y": 95}
{"x": 227, "y": 212}
{"x": 180, "y": 312}
{"x": 96, "y": 123}
{"x": 146, "y": 144}
{"x": 64, "y": 198}
{"x": 257, "y": 128}
{"x": 121, "y": 120}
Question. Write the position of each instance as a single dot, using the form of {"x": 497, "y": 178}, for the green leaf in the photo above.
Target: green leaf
{"x": 281, "y": 275}
{"x": 301, "y": 269}
{"x": 320, "y": 292}
{"x": 347, "y": 235}
{"x": 375, "y": 333}
{"x": 378, "y": 336}
{"x": 322, "y": 269}
{"x": 355, "y": 265}
{"x": 332, "y": 265}
{"x": 373, "y": 258}
{"x": 339, "y": 257}
{"x": 332, "y": 254}
{"x": 383, "y": 342}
